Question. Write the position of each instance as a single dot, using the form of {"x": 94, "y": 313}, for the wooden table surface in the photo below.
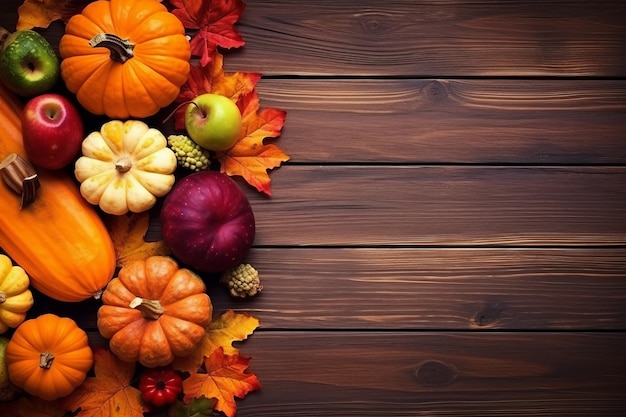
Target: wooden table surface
{"x": 449, "y": 236}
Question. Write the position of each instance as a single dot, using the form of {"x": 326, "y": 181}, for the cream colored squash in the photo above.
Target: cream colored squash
{"x": 125, "y": 167}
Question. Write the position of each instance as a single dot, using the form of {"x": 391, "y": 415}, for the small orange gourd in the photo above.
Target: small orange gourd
{"x": 124, "y": 58}
{"x": 59, "y": 239}
{"x": 48, "y": 356}
{"x": 154, "y": 311}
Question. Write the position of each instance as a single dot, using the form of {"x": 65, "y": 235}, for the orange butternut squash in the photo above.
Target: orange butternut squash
{"x": 59, "y": 239}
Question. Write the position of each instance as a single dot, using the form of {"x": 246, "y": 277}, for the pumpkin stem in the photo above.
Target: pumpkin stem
{"x": 121, "y": 49}
{"x": 3, "y": 297}
{"x": 45, "y": 360}
{"x": 123, "y": 165}
{"x": 20, "y": 176}
{"x": 151, "y": 309}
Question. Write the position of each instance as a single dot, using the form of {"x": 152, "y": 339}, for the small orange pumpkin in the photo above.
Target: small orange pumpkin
{"x": 48, "y": 356}
{"x": 124, "y": 58}
{"x": 154, "y": 311}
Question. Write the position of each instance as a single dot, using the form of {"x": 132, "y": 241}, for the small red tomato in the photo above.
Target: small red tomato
{"x": 160, "y": 386}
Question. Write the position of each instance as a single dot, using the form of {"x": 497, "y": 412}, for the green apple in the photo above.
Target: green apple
{"x": 28, "y": 64}
{"x": 213, "y": 121}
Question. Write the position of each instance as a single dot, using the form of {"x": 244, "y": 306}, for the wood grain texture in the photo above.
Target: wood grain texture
{"x": 422, "y": 39}
{"x": 479, "y": 289}
{"x": 417, "y": 289}
{"x": 450, "y": 121}
{"x": 442, "y": 205}
{"x": 430, "y": 373}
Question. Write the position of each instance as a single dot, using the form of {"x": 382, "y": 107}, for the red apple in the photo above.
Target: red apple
{"x": 207, "y": 222}
{"x": 52, "y": 130}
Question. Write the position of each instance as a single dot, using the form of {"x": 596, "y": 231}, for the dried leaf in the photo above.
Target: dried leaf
{"x": 250, "y": 157}
{"x": 212, "y": 79}
{"x": 128, "y": 235}
{"x": 28, "y": 406}
{"x": 225, "y": 329}
{"x": 40, "y": 13}
{"x": 214, "y": 21}
{"x": 225, "y": 379}
{"x": 108, "y": 393}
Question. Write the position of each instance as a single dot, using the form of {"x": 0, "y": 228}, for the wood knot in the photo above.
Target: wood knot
{"x": 435, "y": 374}
{"x": 375, "y": 23}
{"x": 489, "y": 316}
{"x": 436, "y": 90}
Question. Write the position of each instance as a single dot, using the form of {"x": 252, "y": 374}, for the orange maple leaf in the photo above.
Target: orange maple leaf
{"x": 250, "y": 157}
{"x": 128, "y": 235}
{"x": 213, "y": 79}
{"x": 225, "y": 379}
{"x": 109, "y": 393}
{"x": 40, "y": 13}
{"x": 225, "y": 329}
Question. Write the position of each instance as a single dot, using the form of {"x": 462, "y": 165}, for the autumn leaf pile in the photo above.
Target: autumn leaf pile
{"x": 215, "y": 375}
{"x": 221, "y": 378}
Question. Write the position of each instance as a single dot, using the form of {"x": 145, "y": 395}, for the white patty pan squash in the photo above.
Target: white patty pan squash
{"x": 125, "y": 167}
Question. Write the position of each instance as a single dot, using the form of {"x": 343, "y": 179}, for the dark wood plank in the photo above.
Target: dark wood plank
{"x": 428, "y": 373}
{"x": 416, "y": 38}
{"x": 442, "y": 205}
{"x": 437, "y": 289}
{"x": 451, "y": 121}
{"x": 422, "y": 39}
{"x": 397, "y": 289}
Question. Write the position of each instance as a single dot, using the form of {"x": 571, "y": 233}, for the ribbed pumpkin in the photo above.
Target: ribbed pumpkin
{"x": 59, "y": 239}
{"x": 15, "y": 297}
{"x": 154, "y": 311}
{"x": 48, "y": 356}
{"x": 124, "y": 58}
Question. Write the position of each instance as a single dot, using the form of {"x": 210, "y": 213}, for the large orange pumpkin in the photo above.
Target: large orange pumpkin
{"x": 59, "y": 239}
{"x": 124, "y": 58}
{"x": 153, "y": 311}
{"x": 48, "y": 356}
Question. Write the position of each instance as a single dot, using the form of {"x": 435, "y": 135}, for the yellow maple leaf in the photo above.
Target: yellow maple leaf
{"x": 40, "y": 13}
{"x": 225, "y": 329}
{"x": 108, "y": 393}
{"x": 128, "y": 235}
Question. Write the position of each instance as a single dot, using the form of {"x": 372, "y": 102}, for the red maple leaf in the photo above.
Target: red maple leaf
{"x": 214, "y": 21}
